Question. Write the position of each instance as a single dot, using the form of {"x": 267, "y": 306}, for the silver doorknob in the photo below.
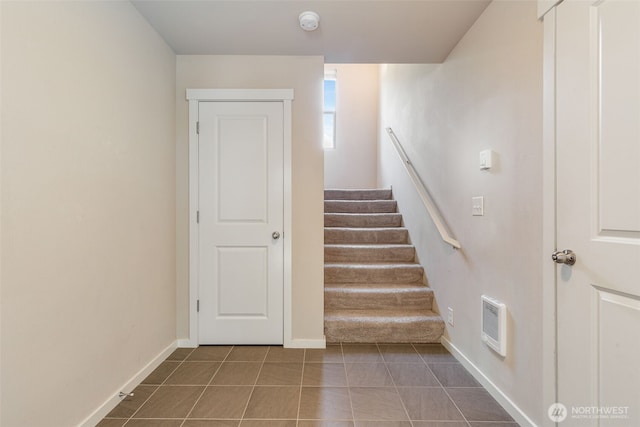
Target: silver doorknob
{"x": 564, "y": 257}
{"x": 275, "y": 235}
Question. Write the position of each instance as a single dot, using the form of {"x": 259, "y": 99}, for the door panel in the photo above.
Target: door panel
{"x": 241, "y": 205}
{"x": 248, "y": 296}
{"x": 615, "y": 25}
{"x": 622, "y": 353}
{"x": 598, "y": 211}
{"x": 242, "y": 164}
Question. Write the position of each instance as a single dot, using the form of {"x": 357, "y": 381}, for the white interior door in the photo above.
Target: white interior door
{"x": 240, "y": 148}
{"x": 598, "y": 211}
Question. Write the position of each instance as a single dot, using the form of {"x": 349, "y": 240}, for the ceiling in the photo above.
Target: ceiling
{"x": 351, "y": 31}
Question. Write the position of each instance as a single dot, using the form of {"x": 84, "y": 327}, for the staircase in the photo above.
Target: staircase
{"x": 375, "y": 291}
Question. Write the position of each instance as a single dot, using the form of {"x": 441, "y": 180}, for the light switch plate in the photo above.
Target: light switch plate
{"x": 477, "y": 206}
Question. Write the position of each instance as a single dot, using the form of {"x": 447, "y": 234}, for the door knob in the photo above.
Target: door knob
{"x": 275, "y": 235}
{"x": 564, "y": 257}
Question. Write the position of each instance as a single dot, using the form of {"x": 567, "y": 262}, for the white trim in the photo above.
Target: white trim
{"x": 186, "y": 343}
{"x": 549, "y": 309}
{"x": 127, "y": 387}
{"x": 518, "y": 415}
{"x": 194, "y": 242}
{"x": 194, "y": 96}
{"x": 304, "y": 343}
{"x": 545, "y": 6}
{"x": 330, "y": 74}
{"x": 239, "y": 94}
{"x": 287, "y": 228}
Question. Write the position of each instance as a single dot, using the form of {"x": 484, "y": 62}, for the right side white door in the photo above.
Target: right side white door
{"x": 598, "y": 211}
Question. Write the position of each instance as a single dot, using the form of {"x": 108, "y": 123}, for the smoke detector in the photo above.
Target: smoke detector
{"x": 309, "y": 21}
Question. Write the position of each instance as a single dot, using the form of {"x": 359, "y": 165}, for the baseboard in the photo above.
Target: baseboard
{"x": 513, "y": 410}
{"x": 294, "y": 343}
{"x": 187, "y": 343}
{"x": 127, "y": 387}
{"x": 302, "y": 343}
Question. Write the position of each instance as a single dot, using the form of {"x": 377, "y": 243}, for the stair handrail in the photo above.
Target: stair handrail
{"x": 429, "y": 204}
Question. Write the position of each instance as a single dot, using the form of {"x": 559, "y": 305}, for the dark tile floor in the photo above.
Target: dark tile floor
{"x": 349, "y": 385}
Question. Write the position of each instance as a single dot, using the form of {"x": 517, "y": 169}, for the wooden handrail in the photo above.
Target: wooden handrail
{"x": 423, "y": 192}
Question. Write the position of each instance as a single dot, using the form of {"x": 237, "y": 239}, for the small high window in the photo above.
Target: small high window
{"x": 329, "y": 116}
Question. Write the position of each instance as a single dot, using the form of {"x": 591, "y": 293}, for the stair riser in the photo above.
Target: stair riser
{"x": 369, "y": 274}
{"x": 357, "y": 194}
{"x": 362, "y": 220}
{"x": 346, "y": 299}
{"x": 366, "y": 331}
{"x": 373, "y": 206}
{"x": 355, "y": 236}
{"x": 369, "y": 254}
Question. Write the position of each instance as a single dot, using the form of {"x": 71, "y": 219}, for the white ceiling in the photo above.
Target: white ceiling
{"x": 351, "y": 31}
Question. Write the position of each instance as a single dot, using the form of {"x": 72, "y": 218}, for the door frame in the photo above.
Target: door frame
{"x": 547, "y": 13}
{"x": 195, "y": 96}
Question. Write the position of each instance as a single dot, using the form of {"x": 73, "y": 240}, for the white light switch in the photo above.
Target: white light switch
{"x": 477, "y": 206}
{"x": 486, "y": 160}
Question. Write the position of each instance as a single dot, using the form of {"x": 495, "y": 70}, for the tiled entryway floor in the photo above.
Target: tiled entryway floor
{"x": 349, "y": 385}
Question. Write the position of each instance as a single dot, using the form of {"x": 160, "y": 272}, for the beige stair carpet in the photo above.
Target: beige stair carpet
{"x": 375, "y": 291}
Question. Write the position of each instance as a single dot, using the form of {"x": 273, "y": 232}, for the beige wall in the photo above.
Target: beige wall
{"x": 487, "y": 94}
{"x": 353, "y": 163}
{"x": 304, "y": 75}
{"x": 88, "y": 206}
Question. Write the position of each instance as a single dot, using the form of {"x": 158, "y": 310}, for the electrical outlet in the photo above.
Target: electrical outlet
{"x": 450, "y": 316}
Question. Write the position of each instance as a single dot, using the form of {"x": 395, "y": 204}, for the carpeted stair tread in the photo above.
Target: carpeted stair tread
{"x": 366, "y": 220}
{"x": 400, "y": 287}
{"x": 398, "y": 315}
{"x": 389, "y": 326}
{"x": 346, "y": 235}
{"x": 360, "y": 206}
{"x": 374, "y": 272}
{"x": 377, "y": 296}
{"x": 365, "y": 263}
{"x": 369, "y": 253}
{"x": 370, "y": 245}
{"x": 346, "y": 194}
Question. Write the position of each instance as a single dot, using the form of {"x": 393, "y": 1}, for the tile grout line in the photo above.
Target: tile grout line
{"x": 445, "y": 390}
{"x": 253, "y": 388}
{"x": 304, "y": 355}
{"x": 395, "y": 386}
{"x": 205, "y": 387}
{"x": 158, "y": 386}
{"x": 344, "y": 364}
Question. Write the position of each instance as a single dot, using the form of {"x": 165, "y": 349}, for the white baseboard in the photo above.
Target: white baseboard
{"x": 127, "y": 387}
{"x": 187, "y": 343}
{"x": 318, "y": 343}
{"x": 294, "y": 343}
{"x": 508, "y": 405}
